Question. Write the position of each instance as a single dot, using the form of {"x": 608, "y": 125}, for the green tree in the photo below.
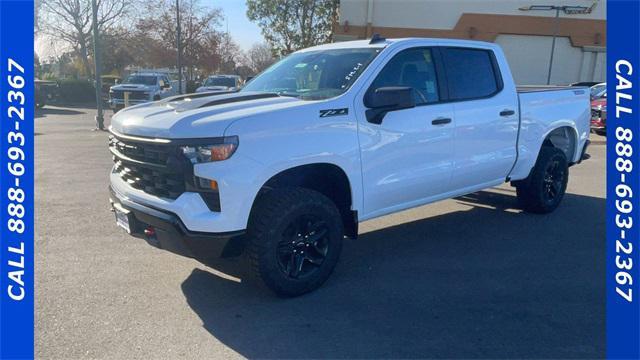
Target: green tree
{"x": 289, "y": 25}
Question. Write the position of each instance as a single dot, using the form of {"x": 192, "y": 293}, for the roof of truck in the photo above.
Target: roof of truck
{"x": 382, "y": 43}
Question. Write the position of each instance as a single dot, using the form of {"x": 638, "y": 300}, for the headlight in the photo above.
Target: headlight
{"x": 220, "y": 149}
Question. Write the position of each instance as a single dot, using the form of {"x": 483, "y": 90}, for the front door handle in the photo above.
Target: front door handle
{"x": 507, "y": 112}
{"x": 441, "y": 121}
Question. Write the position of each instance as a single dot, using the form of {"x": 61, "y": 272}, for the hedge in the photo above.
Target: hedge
{"x": 76, "y": 91}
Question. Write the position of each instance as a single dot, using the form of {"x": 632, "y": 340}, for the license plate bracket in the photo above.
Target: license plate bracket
{"x": 123, "y": 219}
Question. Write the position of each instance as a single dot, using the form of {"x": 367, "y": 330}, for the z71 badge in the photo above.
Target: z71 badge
{"x": 334, "y": 112}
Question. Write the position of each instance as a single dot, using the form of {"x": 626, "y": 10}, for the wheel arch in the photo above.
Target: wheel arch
{"x": 328, "y": 179}
{"x": 564, "y": 138}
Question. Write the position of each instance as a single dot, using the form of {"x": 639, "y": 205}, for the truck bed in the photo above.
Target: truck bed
{"x": 538, "y": 88}
{"x": 543, "y": 108}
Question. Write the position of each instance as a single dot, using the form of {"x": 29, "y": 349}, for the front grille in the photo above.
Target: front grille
{"x": 157, "y": 169}
{"x": 133, "y": 95}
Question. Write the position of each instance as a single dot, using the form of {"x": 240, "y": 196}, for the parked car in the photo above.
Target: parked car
{"x": 140, "y": 88}
{"x": 584, "y": 83}
{"x": 221, "y": 83}
{"x": 598, "y": 91}
{"x": 331, "y": 136}
{"x": 44, "y": 92}
{"x": 599, "y": 115}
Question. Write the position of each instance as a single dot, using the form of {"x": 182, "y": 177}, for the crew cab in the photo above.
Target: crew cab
{"x": 331, "y": 136}
{"x": 220, "y": 83}
{"x": 139, "y": 88}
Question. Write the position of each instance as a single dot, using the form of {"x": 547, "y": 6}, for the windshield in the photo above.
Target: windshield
{"x": 140, "y": 79}
{"x": 220, "y": 81}
{"x": 314, "y": 75}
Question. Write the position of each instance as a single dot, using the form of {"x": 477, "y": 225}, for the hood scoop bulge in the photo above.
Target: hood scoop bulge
{"x": 203, "y": 100}
{"x": 247, "y": 97}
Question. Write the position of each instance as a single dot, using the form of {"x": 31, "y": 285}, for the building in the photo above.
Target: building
{"x": 525, "y": 36}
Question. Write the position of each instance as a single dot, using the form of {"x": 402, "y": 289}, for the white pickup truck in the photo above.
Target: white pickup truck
{"x": 140, "y": 88}
{"x": 331, "y": 136}
{"x": 220, "y": 83}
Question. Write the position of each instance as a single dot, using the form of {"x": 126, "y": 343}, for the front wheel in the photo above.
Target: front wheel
{"x": 543, "y": 190}
{"x": 295, "y": 239}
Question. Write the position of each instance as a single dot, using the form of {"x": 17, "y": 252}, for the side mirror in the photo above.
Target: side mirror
{"x": 384, "y": 99}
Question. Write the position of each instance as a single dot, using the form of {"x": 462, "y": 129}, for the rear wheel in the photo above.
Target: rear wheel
{"x": 295, "y": 240}
{"x": 543, "y": 190}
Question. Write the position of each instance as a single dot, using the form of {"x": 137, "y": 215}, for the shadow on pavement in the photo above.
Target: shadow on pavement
{"x": 487, "y": 282}
{"x": 39, "y": 113}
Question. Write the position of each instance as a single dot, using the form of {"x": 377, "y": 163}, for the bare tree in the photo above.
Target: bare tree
{"x": 156, "y": 33}
{"x": 260, "y": 56}
{"x": 230, "y": 54}
{"x": 70, "y": 21}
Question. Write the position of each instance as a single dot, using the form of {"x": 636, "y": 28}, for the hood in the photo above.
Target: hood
{"x": 132, "y": 87}
{"x": 197, "y": 117}
{"x": 599, "y": 102}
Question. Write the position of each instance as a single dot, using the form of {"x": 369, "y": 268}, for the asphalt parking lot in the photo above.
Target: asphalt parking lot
{"x": 471, "y": 277}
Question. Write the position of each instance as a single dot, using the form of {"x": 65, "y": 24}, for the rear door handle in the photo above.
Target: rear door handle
{"x": 441, "y": 121}
{"x": 507, "y": 112}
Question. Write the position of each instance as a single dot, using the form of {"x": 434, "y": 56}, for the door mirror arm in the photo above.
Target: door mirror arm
{"x": 382, "y": 100}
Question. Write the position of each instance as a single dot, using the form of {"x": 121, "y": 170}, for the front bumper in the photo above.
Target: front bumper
{"x": 166, "y": 231}
{"x": 121, "y": 103}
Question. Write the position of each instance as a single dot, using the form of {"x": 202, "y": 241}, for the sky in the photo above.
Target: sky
{"x": 243, "y": 31}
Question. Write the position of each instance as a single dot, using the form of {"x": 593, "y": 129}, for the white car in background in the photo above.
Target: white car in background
{"x": 139, "y": 88}
{"x": 219, "y": 83}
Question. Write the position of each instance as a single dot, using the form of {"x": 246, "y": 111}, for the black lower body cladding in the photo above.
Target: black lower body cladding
{"x": 165, "y": 231}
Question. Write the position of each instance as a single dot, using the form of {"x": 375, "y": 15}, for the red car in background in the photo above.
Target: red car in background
{"x": 599, "y": 115}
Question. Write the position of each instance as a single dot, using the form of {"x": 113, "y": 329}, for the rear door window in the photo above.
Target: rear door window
{"x": 471, "y": 73}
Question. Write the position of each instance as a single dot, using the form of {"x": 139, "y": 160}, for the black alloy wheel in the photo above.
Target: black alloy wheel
{"x": 304, "y": 247}
{"x": 545, "y": 187}
{"x": 295, "y": 238}
{"x": 553, "y": 180}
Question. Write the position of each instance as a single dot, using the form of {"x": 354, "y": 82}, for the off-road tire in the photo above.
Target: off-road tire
{"x": 272, "y": 226}
{"x": 545, "y": 187}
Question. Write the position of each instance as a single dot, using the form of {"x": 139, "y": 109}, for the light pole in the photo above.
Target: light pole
{"x": 564, "y": 8}
{"x": 179, "y": 46}
{"x": 98, "y": 67}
